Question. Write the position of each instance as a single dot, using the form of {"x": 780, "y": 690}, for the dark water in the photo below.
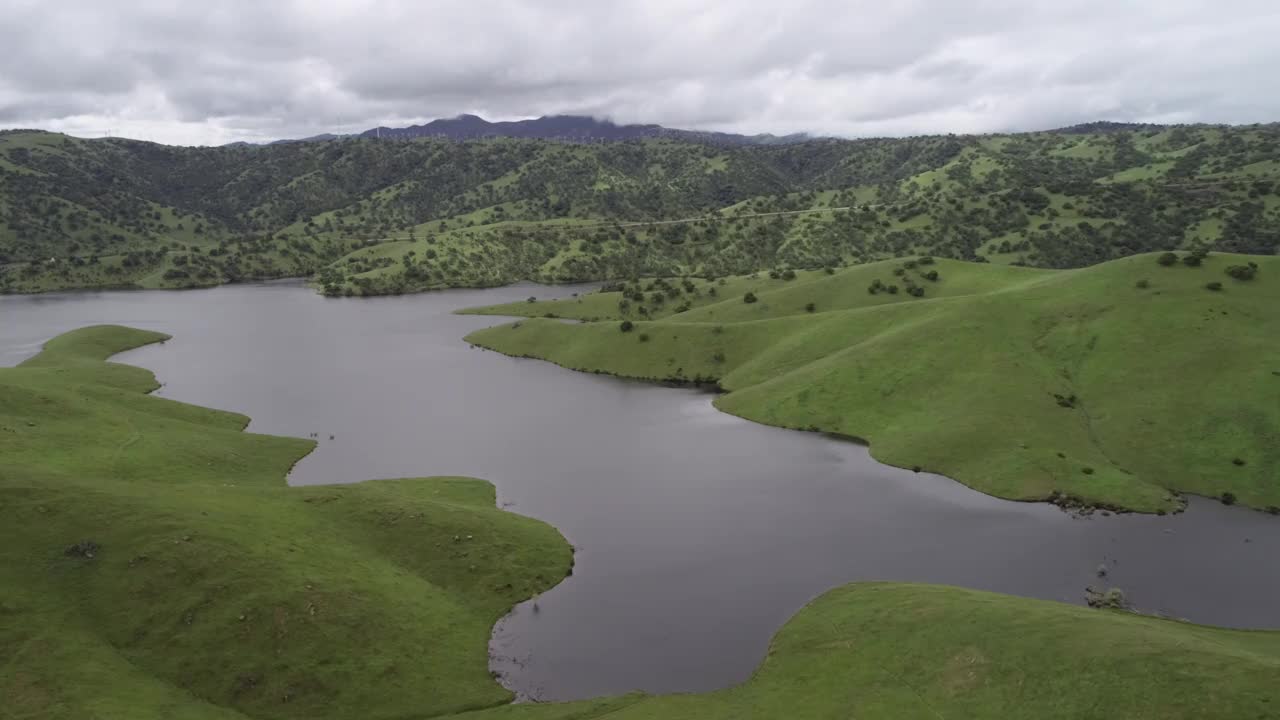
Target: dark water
{"x": 698, "y": 534}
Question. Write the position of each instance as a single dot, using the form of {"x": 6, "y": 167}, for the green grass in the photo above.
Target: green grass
{"x": 847, "y": 289}
{"x": 217, "y": 591}
{"x": 1085, "y": 148}
{"x": 1172, "y": 382}
{"x": 903, "y": 651}
{"x": 1152, "y": 171}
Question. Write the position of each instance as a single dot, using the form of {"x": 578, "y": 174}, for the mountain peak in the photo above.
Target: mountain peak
{"x": 565, "y": 128}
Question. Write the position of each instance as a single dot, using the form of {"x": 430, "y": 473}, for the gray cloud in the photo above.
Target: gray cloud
{"x": 209, "y": 73}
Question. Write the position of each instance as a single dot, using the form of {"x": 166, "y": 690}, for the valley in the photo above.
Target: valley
{"x": 178, "y": 509}
{"x": 639, "y": 361}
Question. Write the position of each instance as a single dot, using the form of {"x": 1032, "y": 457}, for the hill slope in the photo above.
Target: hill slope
{"x": 1114, "y": 384}
{"x": 372, "y": 217}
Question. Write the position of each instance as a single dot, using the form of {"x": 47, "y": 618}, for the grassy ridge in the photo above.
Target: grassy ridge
{"x": 1114, "y": 384}
{"x": 154, "y": 564}
{"x": 721, "y": 300}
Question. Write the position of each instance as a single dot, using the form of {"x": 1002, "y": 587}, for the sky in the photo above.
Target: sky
{"x": 219, "y": 71}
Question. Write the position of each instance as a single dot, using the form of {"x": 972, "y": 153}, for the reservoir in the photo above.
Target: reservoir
{"x": 697, "y": 534}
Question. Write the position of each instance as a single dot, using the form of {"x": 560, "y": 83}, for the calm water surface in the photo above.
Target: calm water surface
{"x": 698, "y": 534}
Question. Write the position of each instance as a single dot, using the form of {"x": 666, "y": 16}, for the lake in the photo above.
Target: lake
{"x": 697, "y": 534}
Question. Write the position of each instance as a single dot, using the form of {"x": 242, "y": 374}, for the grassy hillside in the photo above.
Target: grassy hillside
{"x": 902, "y": 651}
{"x": 777, "y": 294}
{"x": 373, "y": 217}
{"x": 1114, "y": 384}
{"x": 153, "y": 564}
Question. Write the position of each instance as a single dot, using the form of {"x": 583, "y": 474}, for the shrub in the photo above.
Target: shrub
{"x": 1228, "y": 498}
{"x": 1111, "y": 598}
{"x": 718, "y": 357}
{"x": 893, "y": 289}
{"x": 926, "y": 260}
{"x": 1238, "y": 462}
{"x": 1168, "y": 259}
{"x": 627, "y": 326}
{"x": 84, "y": 549}
{"x": 916, "y": 291}
{"x": 1215, "y": 286}
{"x": 532, "y": 299}
{"x": 1143, "y": 284}
{"x": 1243, "y": 272}
{"x": 810, "y": 307}
{"x": 1193, "y": 260}
{"x": 644, "y": 337}
{"x": 1087, "y": 470}
{"x": 788, "y": 274}
{"x": 749, "y": 298}
{"x": 829, "y": 270}
{"x": 931, "y": 276}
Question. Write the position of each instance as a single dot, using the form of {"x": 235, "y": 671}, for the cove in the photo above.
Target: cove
{"x": 698, "y": 534}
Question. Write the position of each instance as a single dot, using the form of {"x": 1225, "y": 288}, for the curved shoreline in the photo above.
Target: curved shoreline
{"x": 1066, "y": 502}
{"x": 1025, "y": 391}
{"x": 223, "y": 507}
{"x": 161, "y": 338}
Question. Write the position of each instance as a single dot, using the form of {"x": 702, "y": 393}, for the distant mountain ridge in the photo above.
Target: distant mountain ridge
{"x": 314, "y": 138}
{"x": 369, "y": 216}
{"x": 588, "y": 129}
{"x": 567, "y": 128}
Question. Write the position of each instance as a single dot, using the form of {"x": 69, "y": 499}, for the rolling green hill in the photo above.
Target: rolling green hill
{"x": 154, "y": 565}
{"x": 365, "y": 216}
{"x": 1113, "y": 384}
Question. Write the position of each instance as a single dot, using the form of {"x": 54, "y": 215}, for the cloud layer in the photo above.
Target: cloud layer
{"x": 209, "y": 73}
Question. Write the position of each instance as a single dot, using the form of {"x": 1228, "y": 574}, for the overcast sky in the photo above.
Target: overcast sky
{"x": 221, "y": 70}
